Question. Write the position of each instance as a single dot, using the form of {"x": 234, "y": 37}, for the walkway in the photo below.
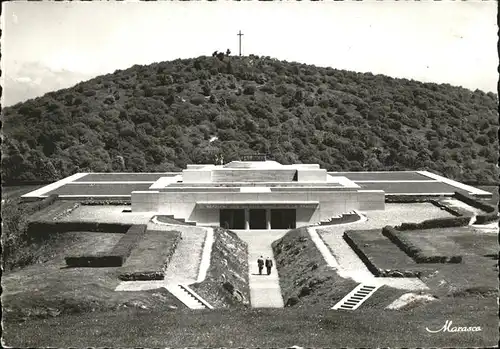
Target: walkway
{"x": 265, "y": 291}
{"x": 186, "y": 263}
{"x": 349, "y": 265}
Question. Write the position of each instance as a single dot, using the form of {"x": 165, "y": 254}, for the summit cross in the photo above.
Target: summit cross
{"x": 240, "y": 34}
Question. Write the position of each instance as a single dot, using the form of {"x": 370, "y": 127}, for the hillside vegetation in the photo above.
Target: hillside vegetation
{"x": 163, "y": 116}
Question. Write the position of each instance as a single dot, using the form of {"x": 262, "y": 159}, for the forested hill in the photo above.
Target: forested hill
{"x": 163, "y": 116}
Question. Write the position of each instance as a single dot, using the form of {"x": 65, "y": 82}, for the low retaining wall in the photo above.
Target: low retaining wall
{"x": 106, "y": 203}
{"x": 446, "y": 222}
{"x": 469, "y": 200}
{"x": 406, "y": 199}
{"x": 486, "y": 218}
{"x": 39, "y": 228}
{"x": 454, "y": 211}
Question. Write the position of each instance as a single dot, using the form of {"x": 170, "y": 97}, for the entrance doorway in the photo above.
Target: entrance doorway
{"x": 232, "y": 218}
{"x": 257, "y": 219}
{"x": 283, "y": 219}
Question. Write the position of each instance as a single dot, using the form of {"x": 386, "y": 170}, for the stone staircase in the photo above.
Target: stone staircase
{"x": 180, "y": 220}
{"x": 337, "y": 218}
{"x": 187, "y": 296}
{"x": 356, "y": 297}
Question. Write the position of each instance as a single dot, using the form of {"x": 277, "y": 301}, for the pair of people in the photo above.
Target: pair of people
{"x": 268, "y": 263}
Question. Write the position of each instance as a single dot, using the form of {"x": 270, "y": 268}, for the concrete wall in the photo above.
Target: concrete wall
{"x": 249, "y": 175}
{"x": 311, "y": 175}
{"x": 331, "y": 203}
{"x": 197, "y": 176}
{"x": 305, "y": 216}
{"x": 144, "y": 201}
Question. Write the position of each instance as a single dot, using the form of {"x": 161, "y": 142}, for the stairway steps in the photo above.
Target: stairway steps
{"x": 356, "y": 297}
{"x": 188, "y": 296}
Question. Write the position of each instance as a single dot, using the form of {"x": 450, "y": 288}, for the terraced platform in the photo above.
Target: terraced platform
{"x": 120, "y": 185}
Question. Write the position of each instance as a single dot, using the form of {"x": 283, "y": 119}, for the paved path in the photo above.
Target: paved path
{"x": 348, "y": 264}
{"x": 265, "y": 291}
{"x": 184, "y": 266}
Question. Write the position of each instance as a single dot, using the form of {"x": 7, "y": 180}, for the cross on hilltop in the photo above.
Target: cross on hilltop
{"x": 240, "y": 34}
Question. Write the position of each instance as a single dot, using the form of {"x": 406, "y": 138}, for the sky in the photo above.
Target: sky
{"x": 47, "y": 46}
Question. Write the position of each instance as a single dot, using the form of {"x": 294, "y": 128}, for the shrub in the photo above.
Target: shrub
{"x": 487, "y": 218}
{"x": 105, "y": 202}
{"x": 44, "y": 228}
{"x": 469, "y": 200}
{"x": 446, "y": 222}
{"x": 89, "y": 93}
{"x": 249, "y": 89}
{"x": 45, "y": 202}
{"x": 197, "y": 100}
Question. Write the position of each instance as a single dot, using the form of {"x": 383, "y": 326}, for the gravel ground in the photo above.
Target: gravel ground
{"x": 185, "y": 263}
{"x": 108, "y": 214}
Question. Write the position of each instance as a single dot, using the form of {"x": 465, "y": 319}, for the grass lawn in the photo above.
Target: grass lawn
{"x": 430, "y": 243}
{"x": 476, "y": 274}
{"x": 305, "y": 278}
{"x": 383, "y": 253}
{"x": 51, "y": 289}
{"x": 309, "y": 327}
{"x": 151, "y": 255}
{"x": 226, "y": 283}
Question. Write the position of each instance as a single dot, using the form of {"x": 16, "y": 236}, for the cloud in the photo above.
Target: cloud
{"x": 31, "y": 79}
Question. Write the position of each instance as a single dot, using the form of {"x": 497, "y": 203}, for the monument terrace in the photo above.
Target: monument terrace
{"x": 254, "y": 193}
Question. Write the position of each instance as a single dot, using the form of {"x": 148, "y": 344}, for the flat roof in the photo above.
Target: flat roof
{"x": 121, "y": 185}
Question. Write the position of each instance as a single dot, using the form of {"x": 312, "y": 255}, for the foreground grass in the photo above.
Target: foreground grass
{"x": 51, "y": 289}
{"x": 226, "y": 283}
{"x": 305, "y": 278}
{"x": 266, "y": 327}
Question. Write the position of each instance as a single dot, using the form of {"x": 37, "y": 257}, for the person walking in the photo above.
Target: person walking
{"x": 260, "y": 264}
{"x": 269, "y": 265}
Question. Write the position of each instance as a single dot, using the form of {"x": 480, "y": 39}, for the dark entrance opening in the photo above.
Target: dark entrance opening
{"x": 283, "y": 219}
{"x": 232, "y": 218}
{"x": 258, "y": 219}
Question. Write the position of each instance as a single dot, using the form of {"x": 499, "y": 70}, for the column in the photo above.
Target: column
{"x": 268, "y": 219}
{"x": 247, "y": 219}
